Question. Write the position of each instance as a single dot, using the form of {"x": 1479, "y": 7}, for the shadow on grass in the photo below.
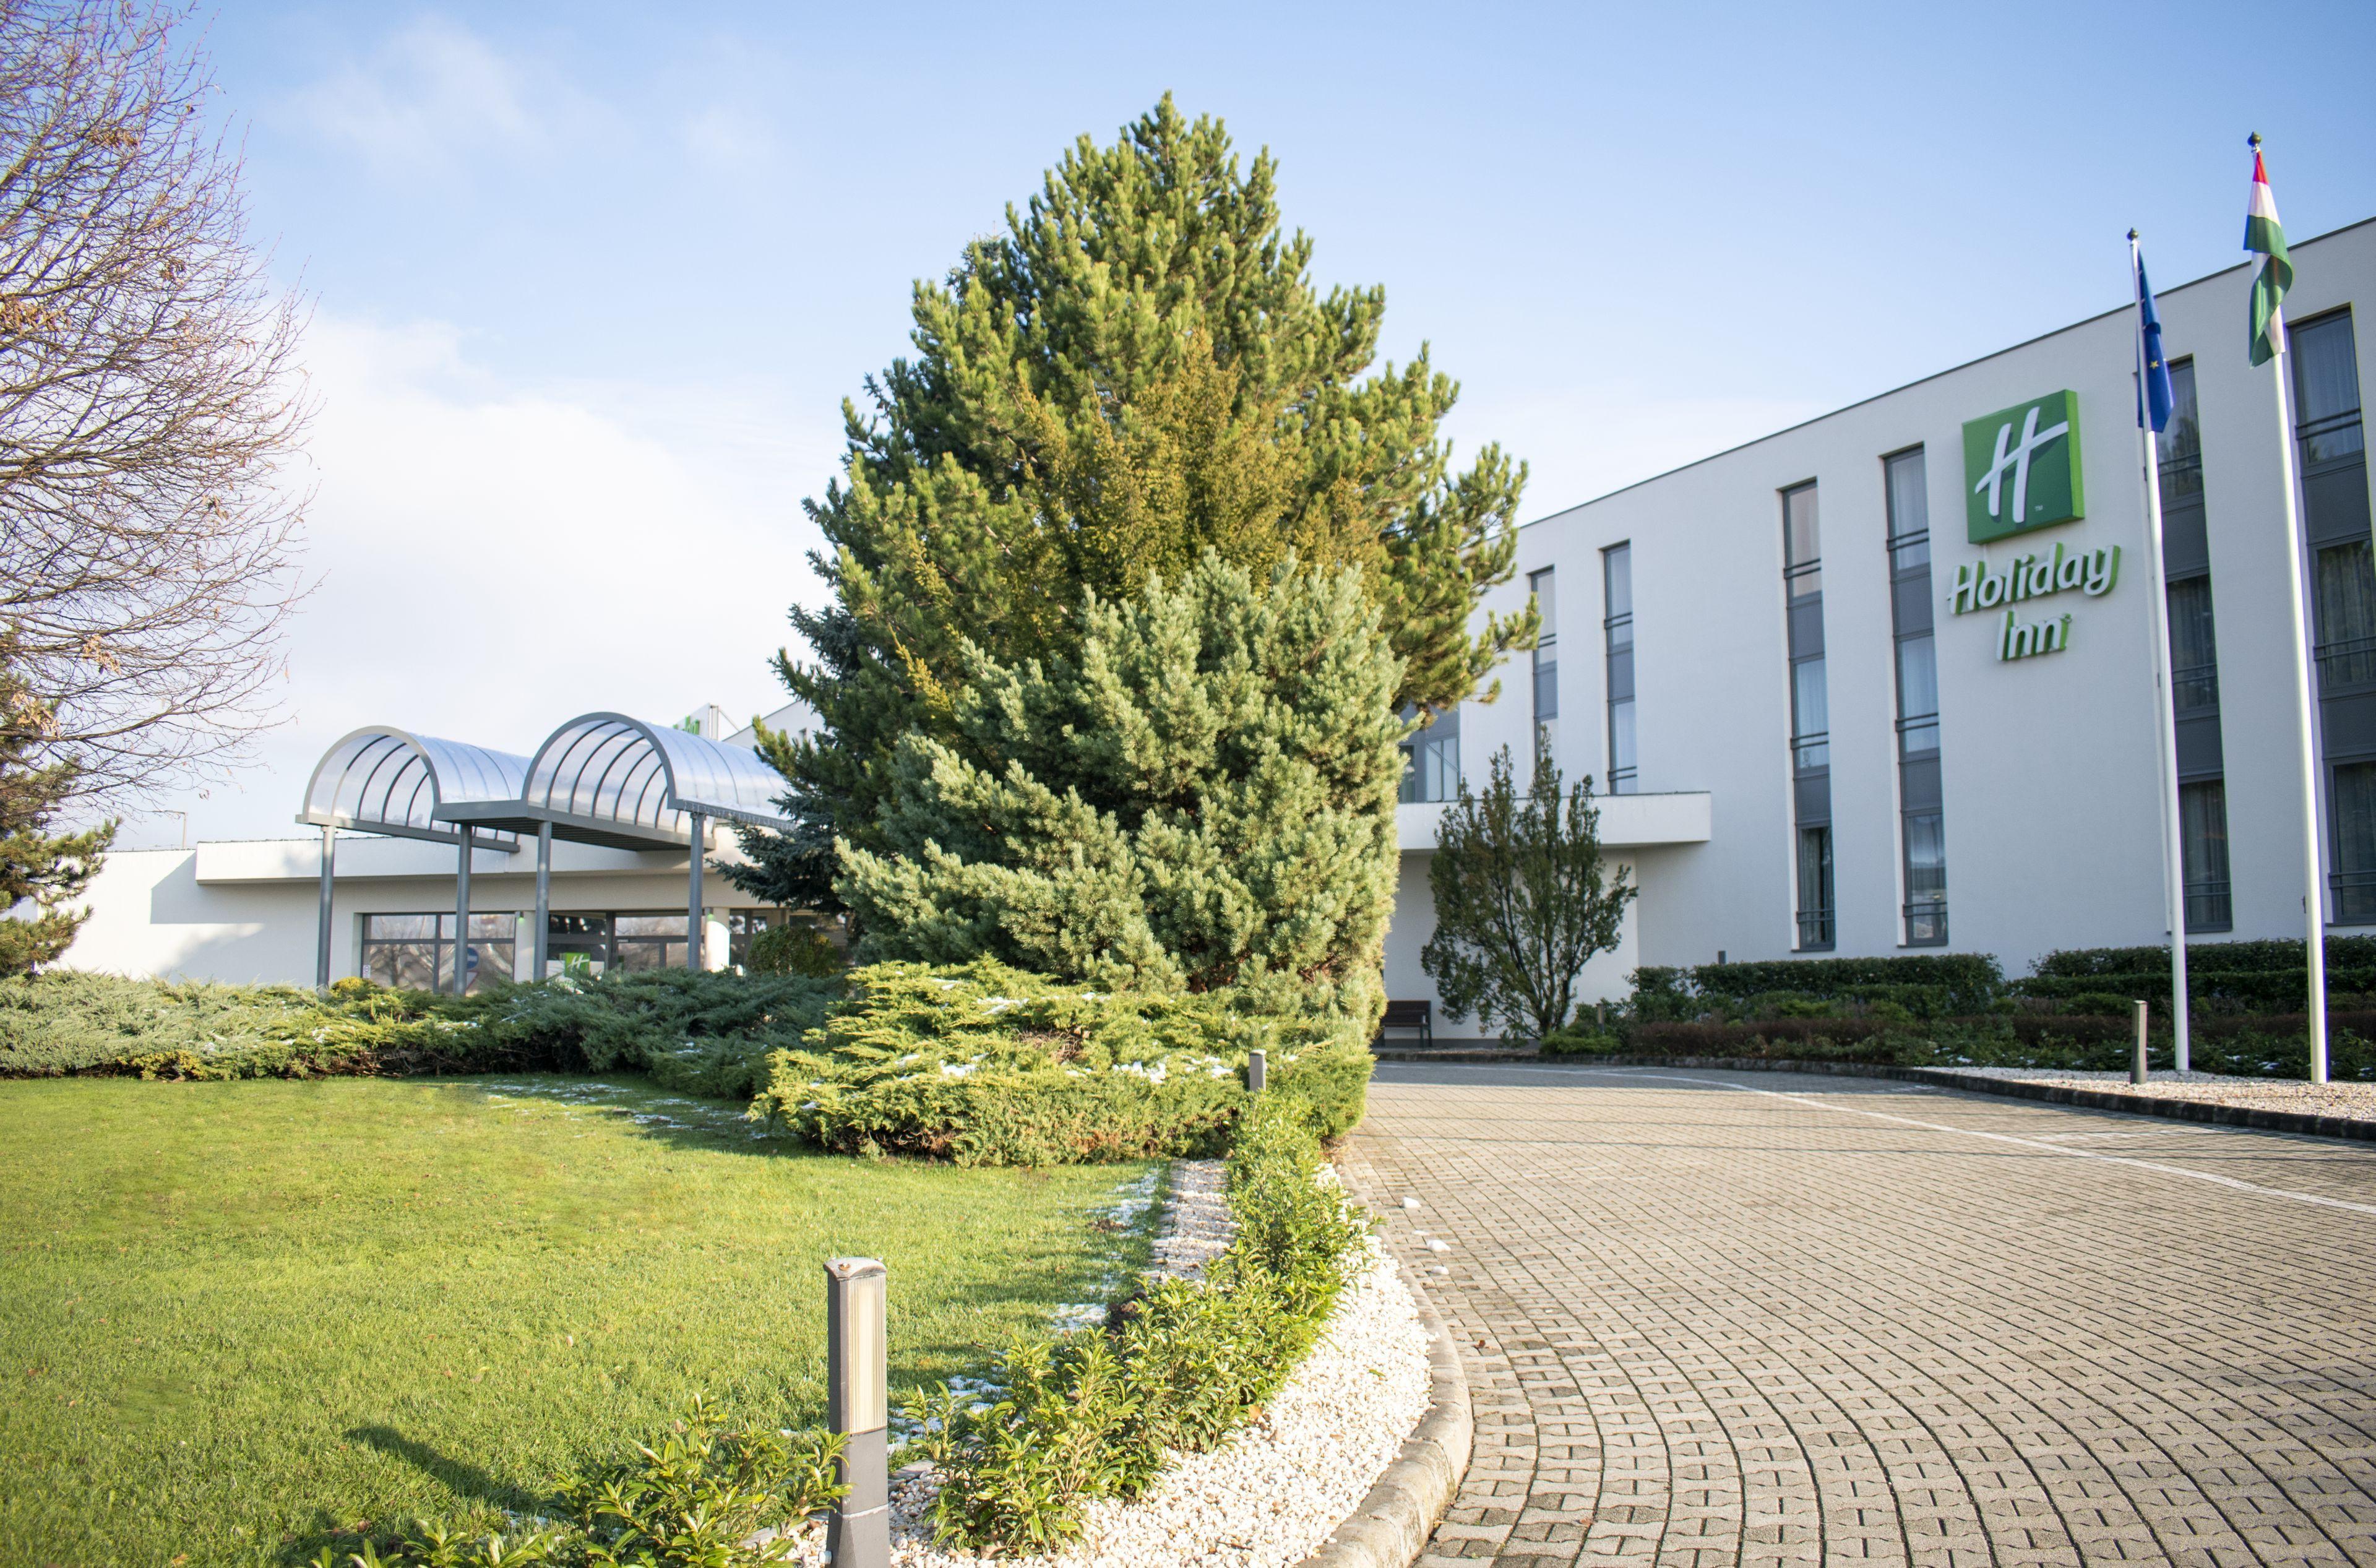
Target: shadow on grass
{"x": 464, "y": 1480}
{"x": 479, "y": 1492}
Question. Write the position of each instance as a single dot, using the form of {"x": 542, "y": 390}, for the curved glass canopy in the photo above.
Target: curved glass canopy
{"x": 607, "y": 779}
{"x": 383, "y": 780}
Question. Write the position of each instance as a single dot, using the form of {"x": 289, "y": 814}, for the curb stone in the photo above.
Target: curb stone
{"x": 1392, "y": 1525}
{"x": 1945, "y": 1077}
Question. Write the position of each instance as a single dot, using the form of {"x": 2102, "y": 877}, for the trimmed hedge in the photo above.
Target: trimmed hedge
{"x": 697, "y": 1033}
{"x": 1927, "y": 985}
{"x": 2207, "y": 958}
{"x": 985, "y": 1064}
{"x": 2247, "y": 1046}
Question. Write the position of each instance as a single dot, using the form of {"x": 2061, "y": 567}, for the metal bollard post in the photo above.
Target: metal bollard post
{"x": 2137, "y": 1065}
{"x": 858, "y": 1408}
{"x": 1257, "y": 1071}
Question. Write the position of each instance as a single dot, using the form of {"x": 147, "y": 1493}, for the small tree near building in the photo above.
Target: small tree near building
{"x": 38, "y": 870}
{"x": 1522, "y": 900}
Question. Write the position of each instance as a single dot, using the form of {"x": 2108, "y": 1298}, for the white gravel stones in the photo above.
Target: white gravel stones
{"x": 1282, "y": 1483}
{"x": 2356, "y": 1101}
{"x": 1197, "y": 1223}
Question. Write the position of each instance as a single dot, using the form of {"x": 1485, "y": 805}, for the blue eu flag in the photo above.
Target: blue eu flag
{"x": 2153, "y": 392}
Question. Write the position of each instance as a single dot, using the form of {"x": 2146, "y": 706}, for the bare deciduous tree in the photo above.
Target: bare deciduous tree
{"x": 148, "y": 400}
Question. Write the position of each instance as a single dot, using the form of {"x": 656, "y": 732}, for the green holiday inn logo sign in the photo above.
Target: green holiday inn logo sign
{"x": 2021, "y": 472}
{"x": 2021, "y": 468}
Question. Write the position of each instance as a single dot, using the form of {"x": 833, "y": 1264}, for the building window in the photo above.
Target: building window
{"x": 416, "y": 952}
{"x": 1815, "y": 888}
{"x": 2346, "y": 593}
{"x": 2193, "y": 662}
{"x": 1432, "y": 759}
{"x": 2343, "y": 593}
{"x": 1546, "y": 663}
{"x": 1810, "y": 754}
{"x": 2353, "y": 802}
{"x": 631, "y": 941}
{"x": 1617, "y": 585}
{"x": 1922, "y": 823}
{"x": 2202, "y": 837}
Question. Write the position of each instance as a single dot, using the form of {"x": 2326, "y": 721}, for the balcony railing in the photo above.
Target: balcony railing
{"x": 1814, "y": 928}
{"x": 2194, "y": 688}
{"x": 2208, "y": 907}
{"x": 2349, "y": 662}
{"x": 1926, "y": 924}
{"x": 2354, "y": 897}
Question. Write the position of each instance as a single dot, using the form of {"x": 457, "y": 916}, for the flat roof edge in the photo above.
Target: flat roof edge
{"x": 1921, "y": 380}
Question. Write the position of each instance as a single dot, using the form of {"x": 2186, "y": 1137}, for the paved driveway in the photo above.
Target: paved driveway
{"x": 1763, "y": 1318}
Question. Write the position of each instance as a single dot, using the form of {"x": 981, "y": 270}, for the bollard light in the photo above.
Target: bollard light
{"x": 858, "y": 1406}
{"x": 1257, "y": 1071}
{"x": 2137, "y": 1064}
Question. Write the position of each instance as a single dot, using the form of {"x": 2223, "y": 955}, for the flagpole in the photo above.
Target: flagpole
{"x": 2264, "y": 234}
{"x": 2173, "y": 847}
{"x": 2314, "y": 859}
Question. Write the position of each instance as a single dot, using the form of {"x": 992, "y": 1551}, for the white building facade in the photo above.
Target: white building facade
{"x": 1856, "y": 759}
{"x": 1806, "y": 737}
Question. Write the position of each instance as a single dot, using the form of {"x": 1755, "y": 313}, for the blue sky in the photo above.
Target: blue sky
{"x": 590, "y": 281}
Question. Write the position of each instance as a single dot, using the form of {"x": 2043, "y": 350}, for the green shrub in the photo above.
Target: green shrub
{"x": 2204, "y": 957}
{"x": 1094, "y": 1414}
{"x": 1929, "y": 985}
{"x": 697, "y": 1033}
{"x": 695, "y": 1498}
{"x": 794, "y": 950}
{"x": 984, "y": 1065}
{"x": 1581, "y": 1042}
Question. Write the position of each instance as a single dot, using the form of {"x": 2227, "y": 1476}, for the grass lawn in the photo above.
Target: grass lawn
{"x": 235, "y": 1315}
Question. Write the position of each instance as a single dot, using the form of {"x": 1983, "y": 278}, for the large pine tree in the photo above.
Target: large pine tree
{"x": 1201, "y": 798}
{"x": 1138, "y": 371}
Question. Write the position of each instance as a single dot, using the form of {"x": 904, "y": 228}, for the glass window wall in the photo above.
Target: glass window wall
{"x": 1617, "y": 585}
{"x": 1922, "y": 823}
{"x": 1546, "y": 666}
{"x": 1810, "y": 758}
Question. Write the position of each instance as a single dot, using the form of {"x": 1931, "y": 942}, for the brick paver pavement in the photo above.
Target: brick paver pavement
{"x": 1765, "y": 1319}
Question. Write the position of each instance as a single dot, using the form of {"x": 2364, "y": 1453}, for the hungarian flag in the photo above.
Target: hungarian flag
{"x": 2265, "y": 237}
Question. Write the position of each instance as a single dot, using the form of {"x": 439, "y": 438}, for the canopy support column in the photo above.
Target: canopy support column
{"x": 543, "y": 899}
{"x": 322, "y": 939}
{"x": 696, "y": 928}
{"x": 462, "y": 917}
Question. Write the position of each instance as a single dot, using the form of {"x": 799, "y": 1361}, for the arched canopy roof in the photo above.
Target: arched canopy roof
{"x": 607, "y": 779}
{"x": 383, "y": 780}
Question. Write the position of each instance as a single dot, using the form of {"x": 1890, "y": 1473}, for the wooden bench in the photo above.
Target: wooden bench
{"x": 1420, "y": 1016}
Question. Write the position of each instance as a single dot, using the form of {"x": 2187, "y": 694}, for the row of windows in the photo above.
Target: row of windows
{"x": 2333, "y": 476}
{"x": 416, "y": 952}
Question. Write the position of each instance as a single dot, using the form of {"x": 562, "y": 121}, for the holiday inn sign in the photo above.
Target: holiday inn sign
{"x": 2021, "y": 465}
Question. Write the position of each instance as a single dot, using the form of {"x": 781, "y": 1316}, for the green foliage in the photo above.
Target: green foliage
{"x": 1580, "y": 1041}
{"x": 2207, "y": 958}
{"x": 1202, "y": 799}
{"x": 1928, "y": 985}
{"x": 1137, "y": 371}
{"x": 700, "y": 1497}
{"x": 706, "y": 1034}
{"x": 1094, "y": 1414}
{"x": 1522, "y": 899}
{"x": 793, "y": 949}
{"x": 983, "y": 1065}
{"x": 38, "y": 867}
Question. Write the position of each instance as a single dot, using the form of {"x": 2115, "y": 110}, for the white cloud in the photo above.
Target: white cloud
{"x": 434, "y": 94}
{"x": 496, "y": 558}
